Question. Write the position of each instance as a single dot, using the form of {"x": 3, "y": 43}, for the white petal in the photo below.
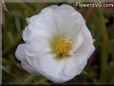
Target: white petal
{"x": 32, "y": 33}
{"x": 75, "y": 27}
{"x": 53, "y": 7}
{"x": 47, "y": 17}
{"x": 33, "y": 49}
{"x": 87, "y": 34}
{"x": 20, "y": 52}
{"x": 86, "y": 48}
{"x": 33, "y": 18}
{"x": 32, "y": 58}
{"x": 76, "y": 63}
{"x": 46, "y": 20}
{"x": 49, "y": 67}
{"x": 66, "y": 7}
{"x": 43, "y": 23}
{"x": 73, "y": 67}
{"x": 68, "y": 22}
{"x": 77, "y": 42}
{"x": 28, "y": 67}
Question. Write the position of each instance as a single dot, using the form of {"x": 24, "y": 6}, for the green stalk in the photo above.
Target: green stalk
{"x": 104, "y": 46}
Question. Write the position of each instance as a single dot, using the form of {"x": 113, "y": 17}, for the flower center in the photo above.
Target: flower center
{"x": 62, "y": 46}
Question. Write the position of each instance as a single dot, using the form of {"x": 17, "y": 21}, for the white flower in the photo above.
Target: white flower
{"x": 57, "y": 44}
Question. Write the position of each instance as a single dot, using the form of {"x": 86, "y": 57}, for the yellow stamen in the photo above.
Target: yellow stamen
{"x": 62, "y": 47}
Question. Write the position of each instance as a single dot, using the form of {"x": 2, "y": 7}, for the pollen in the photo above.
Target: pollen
{"x": 62, "y": 47}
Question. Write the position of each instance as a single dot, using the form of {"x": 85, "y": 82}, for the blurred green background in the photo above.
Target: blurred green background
{"x": 100, "y": 67}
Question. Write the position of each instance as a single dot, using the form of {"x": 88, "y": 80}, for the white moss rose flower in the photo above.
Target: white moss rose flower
{"x": 57, "y": 44}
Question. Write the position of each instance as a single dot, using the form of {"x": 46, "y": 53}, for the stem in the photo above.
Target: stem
{"x": 28, "y": 79}
{"x": 17, "y": 39}
{"x": 88, "y": 13}
{"x": 104, "y": 52}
